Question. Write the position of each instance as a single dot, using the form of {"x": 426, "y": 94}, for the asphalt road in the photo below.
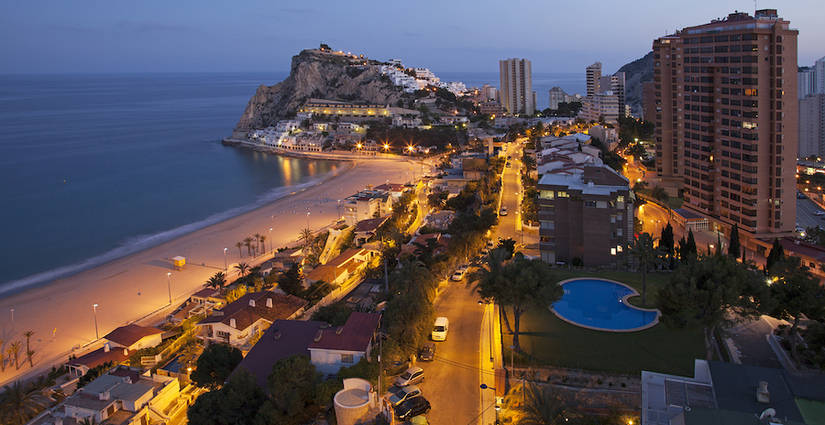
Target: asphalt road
{"x": 509, "y": 225}
{"x": 805, "y": 217}
{"x": 451, "y": 381}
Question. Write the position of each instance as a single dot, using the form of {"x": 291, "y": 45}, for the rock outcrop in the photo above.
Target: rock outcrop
{"x": 317, "y": 74}
{"x": 636, "y": 73}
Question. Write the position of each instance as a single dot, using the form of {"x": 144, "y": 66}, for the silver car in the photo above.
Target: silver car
{"x": 410, "y": 376}
{"x": 401, "y": 394}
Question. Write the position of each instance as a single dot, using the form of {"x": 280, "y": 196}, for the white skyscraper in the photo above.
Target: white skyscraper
{"x": 819, "y": 75}
{"x": 516, "y": 91}
{"x": 806, "y": 81}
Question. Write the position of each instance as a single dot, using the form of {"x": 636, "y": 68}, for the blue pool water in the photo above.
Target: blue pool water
{"x": 598, "y": 304}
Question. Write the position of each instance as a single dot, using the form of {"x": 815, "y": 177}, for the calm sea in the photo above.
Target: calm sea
{"x": 94, "y": 167}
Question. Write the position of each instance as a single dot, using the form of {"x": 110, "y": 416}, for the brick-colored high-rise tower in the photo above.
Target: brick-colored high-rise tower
{"x": 726, "y": 118}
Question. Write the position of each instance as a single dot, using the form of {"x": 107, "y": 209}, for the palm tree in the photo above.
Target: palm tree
{"x": 306, "y": 237}
{"x": 19, "y": 403}
{"x": 541, "y": 406}
{"x": 2, "y": 357}
{"x": 257, "y": 239}
{"x": 28, "y": 334}
{"x": 487, "y": 276}
{"x": 248, "y": 243}
{"x": 262, "y": 238}
{"x": 644, "y": 253}
{"x": 242, "y": 268}
{"x": 239, "y": 245}
{"x": 14, "y": 351}
{"x": 217, "y": 281}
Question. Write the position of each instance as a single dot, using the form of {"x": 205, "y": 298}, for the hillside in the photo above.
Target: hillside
{"x": 317, "y": 74}
{"x": 636, "y": 73}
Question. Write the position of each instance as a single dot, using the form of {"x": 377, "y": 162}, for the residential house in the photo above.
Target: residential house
{"x": 200, "y": 303}
{"x": 134, "y": 337}
{"x": 474, "y": 168}
{"x": 366, "y": 229}
{"x": 440, "y": 219}
{"x": 124, "y": 396}
{"x": 394, "y": 189}
{"x": 81, "y": 365}
{"x": 242, "y": 320}
{"x": 341, "y": 268}
{"x": 343, "y": 346}
{"x": 418, "y": 241}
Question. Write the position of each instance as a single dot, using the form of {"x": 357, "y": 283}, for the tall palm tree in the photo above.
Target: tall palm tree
{"x": 242, "y": 268}
{"x": 19, "y": 403}
{"x": 541, "y": 406}
{"x": 28, "y": 334}
{"x": 257, "y": 238}
{"x": 306, "y": 237}
{"x": 247, "y": 241}
{"x": 487, "y": 276}
{"x": 14, "y": 351}
{"x": 239, "y": 245}
{"x": 646, "y": 256}
{"x": 2, "y": 357}
{"x": 262, "y": 238}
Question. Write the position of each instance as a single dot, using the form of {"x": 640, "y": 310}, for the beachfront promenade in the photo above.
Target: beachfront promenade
{"x": 61, "y": 314}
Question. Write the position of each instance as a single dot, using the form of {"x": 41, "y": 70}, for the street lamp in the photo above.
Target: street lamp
{"x": 169, "y": 285}
{"x": 270, "y": 239}
{"x": 12, "y": 314}
{"x": 94, "y": 309}
{"x": 225, "y": 265}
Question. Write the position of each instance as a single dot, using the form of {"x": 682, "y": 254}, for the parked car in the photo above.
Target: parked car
{"x": 401, "y": 394}
{"x": 503, "y": 211}
{"x": 440, "y": 328}
{"x": 412, "y": 407}
{"x": 427, "y": 352}
{"x": 410, "y": 376}
{"x": 460, "y": 272}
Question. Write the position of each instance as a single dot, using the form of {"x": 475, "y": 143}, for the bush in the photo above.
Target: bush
{"x": 335, "y": 314}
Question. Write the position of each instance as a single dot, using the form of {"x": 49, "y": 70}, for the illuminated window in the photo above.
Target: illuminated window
{"x": 751, "y": 92}
{"x": 547, "y": 194}
{"x": 750, "y": 125}
{"x": 612, "y": 251}
{"x": 562, "y": 194}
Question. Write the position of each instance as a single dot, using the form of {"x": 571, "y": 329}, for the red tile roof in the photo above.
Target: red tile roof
{"x": 130, "y": 334}
{"x": 370, "y": 224}
{"x": 283, "y": 307}
{"x": 99, "y": 357}
{"x": 206, "y": 293}
{"x": 355, "y": 335}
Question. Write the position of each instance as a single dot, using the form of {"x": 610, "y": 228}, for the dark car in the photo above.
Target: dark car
{"x": 427, "y": 352}
{"x": 412, "y": 407}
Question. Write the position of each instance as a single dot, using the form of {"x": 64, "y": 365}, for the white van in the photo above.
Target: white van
{"x": 440, "y": 328}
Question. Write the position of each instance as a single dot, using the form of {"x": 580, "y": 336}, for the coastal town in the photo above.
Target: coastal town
{"x": 649, "y": 251}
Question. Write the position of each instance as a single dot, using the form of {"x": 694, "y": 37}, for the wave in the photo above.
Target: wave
{"x": 141, "y": 242}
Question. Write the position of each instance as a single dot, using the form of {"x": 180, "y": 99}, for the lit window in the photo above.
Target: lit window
{"x": 562, "y": 194}
{"x": 347, "y": 358}
{"x": 619, "y": 247}
{"x": 547, "y": 194}
{"x": 612, "y": 251}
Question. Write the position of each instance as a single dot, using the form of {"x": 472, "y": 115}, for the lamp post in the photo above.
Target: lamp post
{"x": 94, "y": 309}
{"x": 225, "y": 265}
{"x": 11, "y": 310}
{"x": 169, "y": 285}
{"x": 307, "y": 219}
{"x": 270, "y": 239}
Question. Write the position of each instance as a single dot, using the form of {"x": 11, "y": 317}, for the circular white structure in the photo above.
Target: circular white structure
{"x": 354, "y": 401}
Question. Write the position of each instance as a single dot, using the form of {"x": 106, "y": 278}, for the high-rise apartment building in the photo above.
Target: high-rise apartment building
{"x": 516, "y": 90}
{"x": 557, "y": 95}
{"x": 727, "y": 119}
{"x": 614, "y": 83}
{"x": 812, "y": 125}
{"x": 594, "y": 75}
{"x": 819, "y": 75}
{"x": 806, "y": 81}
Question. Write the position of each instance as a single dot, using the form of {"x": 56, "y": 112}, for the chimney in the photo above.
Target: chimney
{"x": 105, "y": 395}
{"x": 269, "y": 302}
{"x": 762, "y": 393}
{"x": 251, "y": 302}
{"x": 232, "y": 323}
{"x": 106, "y": 347}
{"x": 276, "y": 335}
{"x": 125, "y": 351}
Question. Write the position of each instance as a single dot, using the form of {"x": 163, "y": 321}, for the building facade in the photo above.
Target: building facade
{"x": 819, "y": 75}
{"x": 516, "y": 92}
{"x": 586, "y": 216}
{"x": 594, "y": 76}
{"x": 806, "y": 81}
{"x": 812, "y": 126}
{"x": 728, "y": 126}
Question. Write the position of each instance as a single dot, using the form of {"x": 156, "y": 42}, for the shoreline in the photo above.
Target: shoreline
{"x": 135, "y": 287}
{"x": 11, "y": 288}
{"x": 317, "y": 155}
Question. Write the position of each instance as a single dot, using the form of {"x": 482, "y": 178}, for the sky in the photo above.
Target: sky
{"x": 113, "y": 36}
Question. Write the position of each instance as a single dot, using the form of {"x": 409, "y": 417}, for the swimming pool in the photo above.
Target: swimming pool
{"x": 602, "y": 305}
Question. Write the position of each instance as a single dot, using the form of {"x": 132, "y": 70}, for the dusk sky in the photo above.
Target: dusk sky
{"x": 158, "y": 36}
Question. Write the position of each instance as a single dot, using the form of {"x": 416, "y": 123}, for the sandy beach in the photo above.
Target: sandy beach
{"x": 61, "y": 315}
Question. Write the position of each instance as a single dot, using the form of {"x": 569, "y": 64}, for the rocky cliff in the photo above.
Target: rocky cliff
{"x": 636, "y": 73}
{"x": 316, "y": 74}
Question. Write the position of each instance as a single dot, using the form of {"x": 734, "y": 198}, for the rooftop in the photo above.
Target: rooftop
{"x": 130, "y": 334}
{"x": 99, "y": 357}
{"x": 355, "y": 335}
{"x": 596, "y": 180}
{"x": 245, "y": 313}
{"x": 370, "y": 224}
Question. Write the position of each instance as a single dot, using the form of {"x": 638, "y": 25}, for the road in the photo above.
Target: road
{"x": 510, "y": 226}
{"x": 805, "y": 214}
{"x": 452, "y": 380}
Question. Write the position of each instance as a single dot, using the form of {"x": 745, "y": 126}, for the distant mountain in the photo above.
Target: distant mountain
{"x": 636, "y": 73}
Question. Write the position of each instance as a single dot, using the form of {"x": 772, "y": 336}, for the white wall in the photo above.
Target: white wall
{"x": 329, "y": 361}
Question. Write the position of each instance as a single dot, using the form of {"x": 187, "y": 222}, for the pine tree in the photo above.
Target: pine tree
{"x": 734, "y": 247}
{"x": 776, "y": 254}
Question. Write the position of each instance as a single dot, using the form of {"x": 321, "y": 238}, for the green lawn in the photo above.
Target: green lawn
{"x": 547, "y": 340}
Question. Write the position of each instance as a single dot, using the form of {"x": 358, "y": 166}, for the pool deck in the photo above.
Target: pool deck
{"x": 633, "y": 293}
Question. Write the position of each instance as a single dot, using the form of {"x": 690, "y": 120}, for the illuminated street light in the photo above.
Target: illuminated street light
{"x": 169, "y": 285}
{"x": 225, "y": 265}
{"x": 94, "y": 308}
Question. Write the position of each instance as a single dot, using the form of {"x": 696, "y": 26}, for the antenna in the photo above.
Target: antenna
{"x": 755, "y": 7}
